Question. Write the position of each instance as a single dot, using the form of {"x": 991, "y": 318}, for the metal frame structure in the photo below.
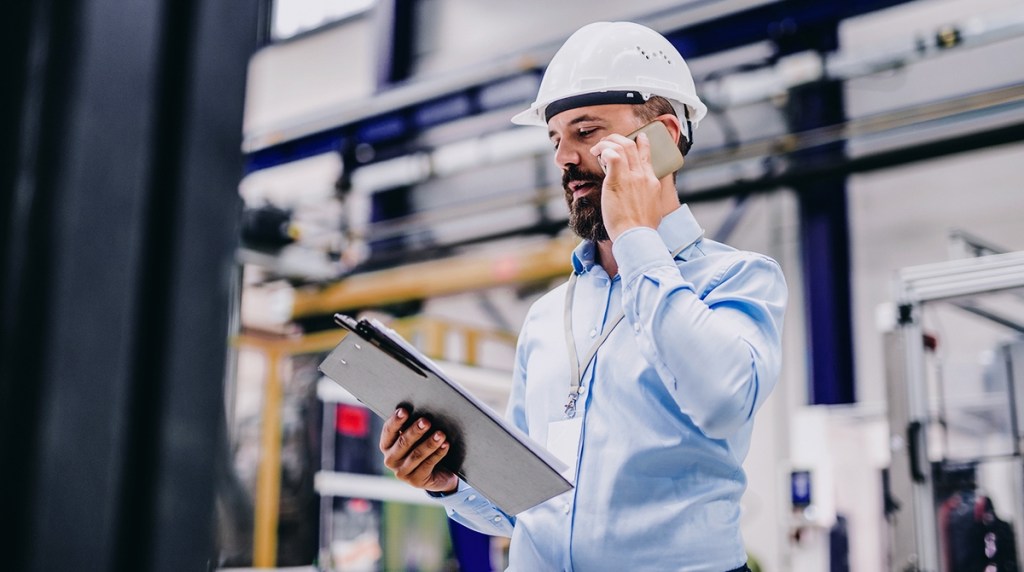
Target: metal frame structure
{"x": 915, "y": 546}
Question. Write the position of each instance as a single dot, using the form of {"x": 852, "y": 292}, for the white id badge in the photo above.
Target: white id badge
{"x": 564, "y": 443}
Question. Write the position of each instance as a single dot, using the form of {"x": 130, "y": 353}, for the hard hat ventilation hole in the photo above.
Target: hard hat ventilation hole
{"x": 648, "y": 55}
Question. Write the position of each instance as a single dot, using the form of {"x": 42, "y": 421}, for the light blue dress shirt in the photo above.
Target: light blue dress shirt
{"x": 667, "y": 405}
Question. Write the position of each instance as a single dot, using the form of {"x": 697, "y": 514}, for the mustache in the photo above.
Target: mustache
{"x": 575, "y": 173}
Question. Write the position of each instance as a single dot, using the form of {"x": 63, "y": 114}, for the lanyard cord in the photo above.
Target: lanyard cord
{"x": 579, "y": 368}
{"x": 570, "y": 340}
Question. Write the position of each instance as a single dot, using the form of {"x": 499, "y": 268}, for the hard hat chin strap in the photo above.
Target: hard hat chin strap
{"x": 689, "y": 129}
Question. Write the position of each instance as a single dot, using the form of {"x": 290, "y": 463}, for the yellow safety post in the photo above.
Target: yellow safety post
{"x": 471, "y": 341}
{"x": 268, "y": 476}
{"x": 268, "y": 480}
{"x": 434, "y": 334}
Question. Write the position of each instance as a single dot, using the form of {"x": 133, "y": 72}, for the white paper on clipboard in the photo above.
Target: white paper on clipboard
{"x": 384, "y": 371}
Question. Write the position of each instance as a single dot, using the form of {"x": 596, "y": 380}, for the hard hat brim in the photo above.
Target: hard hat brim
{"x": 529, "y": 116}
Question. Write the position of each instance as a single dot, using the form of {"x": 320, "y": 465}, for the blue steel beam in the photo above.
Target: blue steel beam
{"x": 769, "y": 22}
{"x": 824, "y": 227}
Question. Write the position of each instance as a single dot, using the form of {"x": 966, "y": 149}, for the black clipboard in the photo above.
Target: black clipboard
{"x": 384, "y": 371}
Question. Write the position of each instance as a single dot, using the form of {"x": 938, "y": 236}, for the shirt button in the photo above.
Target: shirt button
{"x": 593, "y": 333}
{"x": 497, "y": 519}
{"x": 566, "y": 508}
{"x": 636, "y": 328}
{"x": 471, "y": 498}
{"x": 583, "y": 390}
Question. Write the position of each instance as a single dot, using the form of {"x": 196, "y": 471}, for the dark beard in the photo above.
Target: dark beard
{"x": 585, "y": 217}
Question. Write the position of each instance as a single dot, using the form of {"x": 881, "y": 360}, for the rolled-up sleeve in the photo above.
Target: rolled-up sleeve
{"x": 717, "y": 350}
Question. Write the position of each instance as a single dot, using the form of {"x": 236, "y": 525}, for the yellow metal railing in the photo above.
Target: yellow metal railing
{"x": 533, "y": 262}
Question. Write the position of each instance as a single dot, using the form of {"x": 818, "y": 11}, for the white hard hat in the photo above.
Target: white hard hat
{"x": 614, "y": 62}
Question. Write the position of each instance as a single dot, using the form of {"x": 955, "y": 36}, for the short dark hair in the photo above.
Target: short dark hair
{"x": 647, "y": 111}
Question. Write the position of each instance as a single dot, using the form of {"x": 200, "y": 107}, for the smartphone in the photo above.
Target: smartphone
{"x": 665, "y": 155}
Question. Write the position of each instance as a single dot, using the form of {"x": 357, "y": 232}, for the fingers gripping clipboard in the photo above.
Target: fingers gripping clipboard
{"x": 384, "y": 371}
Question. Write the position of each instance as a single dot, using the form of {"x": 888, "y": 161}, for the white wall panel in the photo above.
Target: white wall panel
{"x": 298, "y": 80}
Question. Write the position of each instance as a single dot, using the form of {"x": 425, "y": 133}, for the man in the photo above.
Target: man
{"x": 656, "y": 424}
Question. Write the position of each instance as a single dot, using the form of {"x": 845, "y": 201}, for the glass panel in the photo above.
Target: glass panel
{"x": 970, "y": 374}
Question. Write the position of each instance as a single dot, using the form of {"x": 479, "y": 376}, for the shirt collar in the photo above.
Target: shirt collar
{"x": 584, "y": 256}
{"x": 677, "y": 229}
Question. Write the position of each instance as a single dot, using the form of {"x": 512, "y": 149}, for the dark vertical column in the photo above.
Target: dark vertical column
{"x": 824, "y": 226}
{"x": 197, "y": 241}
{"x": 396, "y": 41}
{"x": 119, "y": 220}
{"x": 14, "y": 46}
{"x": 30, "y": 112}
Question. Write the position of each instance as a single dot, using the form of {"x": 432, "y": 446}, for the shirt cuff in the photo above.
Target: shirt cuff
{"x": 638, "y": 250}
{"x": 467, "y": 501}
{"x": 439, "y": 495}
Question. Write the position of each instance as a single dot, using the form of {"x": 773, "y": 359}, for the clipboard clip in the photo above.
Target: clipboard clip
{"x": 371, "y": 333}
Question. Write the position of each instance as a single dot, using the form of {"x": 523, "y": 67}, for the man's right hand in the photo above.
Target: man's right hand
{"x": 413, "y": 453}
